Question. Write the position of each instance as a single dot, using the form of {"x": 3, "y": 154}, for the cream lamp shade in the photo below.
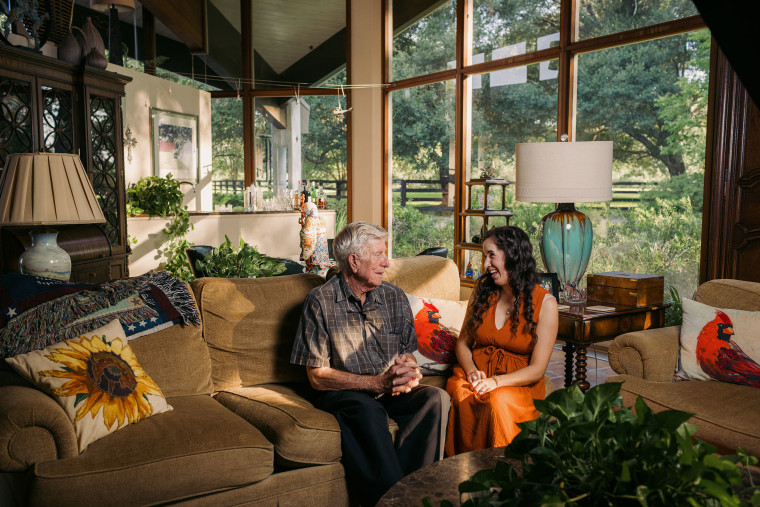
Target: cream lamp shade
{"x": 564, "y": 171}
{"x": 47, "y": 189}
{"x": 119, "y": 5}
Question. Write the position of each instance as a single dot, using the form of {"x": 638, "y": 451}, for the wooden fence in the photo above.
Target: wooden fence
{"x": 433, "y": 195}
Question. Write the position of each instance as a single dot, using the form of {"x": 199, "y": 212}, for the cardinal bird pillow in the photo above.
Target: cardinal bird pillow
{"x": 720, "y": 344}
{"x": 437, "y": 323}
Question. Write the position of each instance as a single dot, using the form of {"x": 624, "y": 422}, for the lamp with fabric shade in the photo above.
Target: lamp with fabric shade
{"x": 46, "y": 189}
{"x": 113, "y": 8}
{"x": 565, "y": 173}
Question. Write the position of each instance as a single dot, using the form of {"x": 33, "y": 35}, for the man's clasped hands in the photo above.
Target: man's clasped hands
{"x": 402, "y": 376}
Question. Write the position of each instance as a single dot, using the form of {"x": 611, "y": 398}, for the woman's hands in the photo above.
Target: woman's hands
{"x": 481, "y": 384}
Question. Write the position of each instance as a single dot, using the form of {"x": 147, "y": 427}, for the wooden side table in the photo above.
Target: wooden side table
{"x": 579, "y": 327}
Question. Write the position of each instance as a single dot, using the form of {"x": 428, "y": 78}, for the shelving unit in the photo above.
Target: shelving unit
{"x": 50, "y": 105}
{"x": 486, "y": 213}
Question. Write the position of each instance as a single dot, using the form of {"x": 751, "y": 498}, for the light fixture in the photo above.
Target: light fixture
{"x": 113, "y": 8}
{"x": 44, "y": 189}
{"x": 565, "y": 173}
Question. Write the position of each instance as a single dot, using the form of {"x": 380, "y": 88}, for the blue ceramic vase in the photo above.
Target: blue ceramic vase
{"x": 566, "y": 241}
{"x": 45, "y": 258}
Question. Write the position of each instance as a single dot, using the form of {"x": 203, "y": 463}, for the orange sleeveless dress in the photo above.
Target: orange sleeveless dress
{"x": 490, "y": 421}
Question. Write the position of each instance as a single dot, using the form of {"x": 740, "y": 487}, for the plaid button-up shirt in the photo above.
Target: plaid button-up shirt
{"x": 337, "y": 331}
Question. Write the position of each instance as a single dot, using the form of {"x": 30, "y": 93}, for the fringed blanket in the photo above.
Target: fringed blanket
{"x": 143, "y": 304}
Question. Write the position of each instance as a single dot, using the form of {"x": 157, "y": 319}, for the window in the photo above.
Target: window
{"x": 610, "y": 80}
{"x": 654, "y": 223}
{"x": 422, "y": 168}
{"x": 423, "y": 42}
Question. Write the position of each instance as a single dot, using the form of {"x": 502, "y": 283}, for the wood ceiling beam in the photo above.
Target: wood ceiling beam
{"x": 187, "y": 19}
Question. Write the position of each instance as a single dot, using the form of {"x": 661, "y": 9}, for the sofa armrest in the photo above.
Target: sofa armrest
{"x": 651, "y": 354}
{"x": 33, "y": 428}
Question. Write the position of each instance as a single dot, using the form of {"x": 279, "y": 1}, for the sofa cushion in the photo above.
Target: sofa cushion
{"x": 727, "y": 414}
{"x": 97, "y": 381}
{"x": 425, "y": 276}
{"x": 197, "y": 448}
{"x": 728, "y": 293}
{"x": 249, "y": 325}
{"x": 302, "y": 435}
{"x": 720, "y": 344}
{"x": 177, "y": 358}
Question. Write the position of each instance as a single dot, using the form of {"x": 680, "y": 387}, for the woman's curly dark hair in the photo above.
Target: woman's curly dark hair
{"x": 521, "y": 267}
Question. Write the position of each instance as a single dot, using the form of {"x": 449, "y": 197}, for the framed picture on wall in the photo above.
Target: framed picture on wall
{"x": 174, "y": 141}
{"x": 550, "y": 282}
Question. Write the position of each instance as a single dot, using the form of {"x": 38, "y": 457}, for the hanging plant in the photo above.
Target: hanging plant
{"x": 161, "y": 197}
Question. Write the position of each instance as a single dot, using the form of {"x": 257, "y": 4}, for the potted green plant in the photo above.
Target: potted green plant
{"x": 162, "y": 197}
{"x": 674, "y": 312}
{"x": 591, "y": 450}
{"x": 243, "y": 261}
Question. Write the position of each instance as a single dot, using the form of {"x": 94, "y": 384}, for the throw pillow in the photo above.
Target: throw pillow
{"x": 720, "y": 344}
{"x": 437, "y": 323}
{"x": 96, "y": 379}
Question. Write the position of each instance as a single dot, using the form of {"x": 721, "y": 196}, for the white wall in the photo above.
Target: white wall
{"x": 146, "y": 92}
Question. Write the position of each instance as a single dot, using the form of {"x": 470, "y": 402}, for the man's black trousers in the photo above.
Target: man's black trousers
{"x": 372, "y": 461}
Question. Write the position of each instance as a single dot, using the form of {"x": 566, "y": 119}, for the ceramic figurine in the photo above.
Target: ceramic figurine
{"x": 314, "y": 240}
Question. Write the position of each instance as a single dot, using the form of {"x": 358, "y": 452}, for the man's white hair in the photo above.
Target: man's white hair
{"x": 354, "y": 238}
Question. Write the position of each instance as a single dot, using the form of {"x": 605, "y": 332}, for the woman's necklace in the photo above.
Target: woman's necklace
{"x": 508, "y": 305}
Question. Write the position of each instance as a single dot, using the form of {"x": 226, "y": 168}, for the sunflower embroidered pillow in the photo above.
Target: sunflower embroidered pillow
{"x": 96, "y": 379}
{"x": 437, "y": 323}
{"x": 720, "y": 344}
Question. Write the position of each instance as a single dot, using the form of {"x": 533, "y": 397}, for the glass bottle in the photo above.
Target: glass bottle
{"x": 321, "y": 197}
{"x": 469, "y": 273}
{"x": 313, "y": 192}
{"x": 297, "y": 196}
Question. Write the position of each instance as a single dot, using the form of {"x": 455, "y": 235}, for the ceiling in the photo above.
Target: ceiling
{"x": 285, "y": 33}
{"x": 294, "y": 41}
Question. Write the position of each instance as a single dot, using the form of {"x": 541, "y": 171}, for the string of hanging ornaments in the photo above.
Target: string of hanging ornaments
{"x": 339, "y": 112}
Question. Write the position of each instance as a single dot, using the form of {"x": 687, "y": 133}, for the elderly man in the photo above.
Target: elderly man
{"x": 356, "y": 339}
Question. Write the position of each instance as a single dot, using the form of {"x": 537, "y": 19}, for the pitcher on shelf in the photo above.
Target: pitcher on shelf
{"x": 314, "y": 240}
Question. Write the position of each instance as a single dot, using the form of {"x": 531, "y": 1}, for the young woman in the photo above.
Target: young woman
{"x": 504, "y": 347}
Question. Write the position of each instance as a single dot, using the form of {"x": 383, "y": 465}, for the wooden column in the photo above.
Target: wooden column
{"x": 149, "y": 41}
{"x": 246, "y": 40}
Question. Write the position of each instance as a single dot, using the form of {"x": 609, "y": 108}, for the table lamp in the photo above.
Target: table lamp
{"x": 44, "y": 189}
{"x": 565, "y": 173}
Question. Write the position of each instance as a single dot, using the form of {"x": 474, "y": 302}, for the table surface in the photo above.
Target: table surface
{"x": 440, "y": 480}
{"x": 580, "y": 312}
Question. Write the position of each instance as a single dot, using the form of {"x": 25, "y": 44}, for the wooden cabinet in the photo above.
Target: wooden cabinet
{"x": 485, "y": 209}
{"x": 50, "y": 105}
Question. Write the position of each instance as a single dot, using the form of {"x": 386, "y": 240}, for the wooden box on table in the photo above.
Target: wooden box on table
{"x": 631, "y": 289}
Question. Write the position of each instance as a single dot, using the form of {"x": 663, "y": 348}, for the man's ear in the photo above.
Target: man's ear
{"x": 353, "y": 261}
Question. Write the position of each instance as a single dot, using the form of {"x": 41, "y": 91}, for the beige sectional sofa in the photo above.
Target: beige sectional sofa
{"x": 728, "y": 415}
{"x": 241, "y": 431}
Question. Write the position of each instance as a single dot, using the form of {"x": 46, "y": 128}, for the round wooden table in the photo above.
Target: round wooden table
{"x": 440, "y": 480}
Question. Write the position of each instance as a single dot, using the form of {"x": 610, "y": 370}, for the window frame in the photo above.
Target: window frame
{"x": 566, "y": 52}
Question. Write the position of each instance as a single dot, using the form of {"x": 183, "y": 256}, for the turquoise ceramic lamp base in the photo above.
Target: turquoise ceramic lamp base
{"x": 566, "y": 241}
{"x": 45, "y": 258}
